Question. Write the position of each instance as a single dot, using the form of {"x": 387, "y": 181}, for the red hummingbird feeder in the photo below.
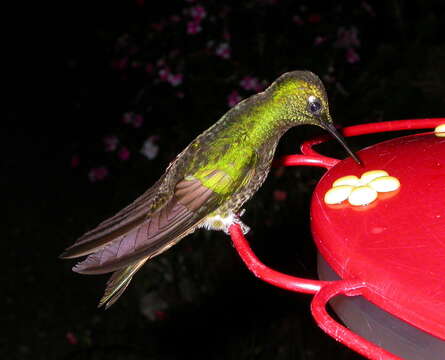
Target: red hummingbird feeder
{"x": 381, "y": 263}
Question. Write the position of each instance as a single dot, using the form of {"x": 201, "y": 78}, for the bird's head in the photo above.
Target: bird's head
{"x": 303, "y": 100}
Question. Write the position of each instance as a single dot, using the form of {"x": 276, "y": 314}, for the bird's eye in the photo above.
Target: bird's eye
{"x": 314, "y": 105}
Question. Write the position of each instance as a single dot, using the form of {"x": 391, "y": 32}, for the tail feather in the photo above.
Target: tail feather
{"x": 119, "y": 282}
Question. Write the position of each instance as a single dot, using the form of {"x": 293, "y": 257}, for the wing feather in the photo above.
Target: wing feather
{"x": 124, "y": 221}
{"x": 179, "y": 217}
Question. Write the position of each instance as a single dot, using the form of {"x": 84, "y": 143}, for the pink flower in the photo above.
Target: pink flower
{"x": 175, "y": 80}
{"x": 351, "y": 56}
{"x": 131, "y": 118}
{"x": 138, "y": 120}
{"x": 110, "y": 142}
{"x": 233, "y": 98}
{"x": 140, "y": 2}
{"x": 123, "y": 154}
{"x": 180, "y": 95}
{"x": 249, "y": 83}
{"x": 75, "y": 161}
{"x": 98, "y": 174}
{"x": 252, "y": 83}
{"x": 198, "y": 13}
{"x": 149, "y": 148}
{"x": 71, "y": 338}
{"x": 193, "y": 27}
{"x": 226, "y": 35}
{"x": 164, "y": 74}
{"x": 279, "y": 195}
{"x": 223, "y": 50}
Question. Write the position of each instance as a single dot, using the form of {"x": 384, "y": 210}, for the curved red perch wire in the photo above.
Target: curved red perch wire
{"x": 267, "y": 274}
{"x": 316, "y": 160}
{"x": 396, "y": 125}
{"x": 340, "y": 332}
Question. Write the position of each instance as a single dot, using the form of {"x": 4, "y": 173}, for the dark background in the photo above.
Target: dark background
{"x": 74, "y": 69}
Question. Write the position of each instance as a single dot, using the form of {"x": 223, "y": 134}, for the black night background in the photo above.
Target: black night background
{"x": 101, "y": 96}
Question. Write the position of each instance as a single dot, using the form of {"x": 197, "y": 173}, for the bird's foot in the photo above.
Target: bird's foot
{"x": 237, "y": 220}
{"x": 244, "y": 228}
{"x": 224, "y": 222}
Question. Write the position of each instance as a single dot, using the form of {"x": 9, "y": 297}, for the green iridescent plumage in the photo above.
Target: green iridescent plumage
{"x": 208, "y": 182}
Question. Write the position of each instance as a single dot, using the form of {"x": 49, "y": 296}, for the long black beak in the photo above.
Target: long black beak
{"x": 334, "y": 132}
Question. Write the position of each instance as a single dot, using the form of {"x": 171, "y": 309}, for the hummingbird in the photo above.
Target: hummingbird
{"x": 207, "y": 183}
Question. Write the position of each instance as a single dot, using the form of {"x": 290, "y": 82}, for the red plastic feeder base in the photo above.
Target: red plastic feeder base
{"x": 387, "y": 257}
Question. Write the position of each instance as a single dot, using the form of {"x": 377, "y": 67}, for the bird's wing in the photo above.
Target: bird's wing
{"x": 182, "y": 213}
{"x": 126, "y": 241}
{"x": 119, "y": 224}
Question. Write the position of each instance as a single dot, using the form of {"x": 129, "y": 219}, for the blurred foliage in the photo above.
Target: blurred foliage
{"x": 197, "y": 300}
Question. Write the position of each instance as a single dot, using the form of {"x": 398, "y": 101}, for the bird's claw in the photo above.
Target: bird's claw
{"x": 244, "y": 228}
